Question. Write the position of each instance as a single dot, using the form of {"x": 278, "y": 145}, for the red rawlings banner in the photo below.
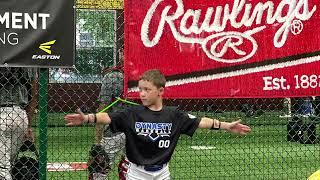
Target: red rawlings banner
{"x": 224, "y": 48}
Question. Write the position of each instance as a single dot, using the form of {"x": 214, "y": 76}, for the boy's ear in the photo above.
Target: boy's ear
{"x": 161, "y": 90}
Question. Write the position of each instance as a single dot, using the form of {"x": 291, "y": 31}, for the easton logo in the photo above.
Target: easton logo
{"x": 46, "y": 47}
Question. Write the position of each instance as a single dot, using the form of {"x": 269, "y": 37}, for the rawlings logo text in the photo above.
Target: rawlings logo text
{"x": 216, "y": 19}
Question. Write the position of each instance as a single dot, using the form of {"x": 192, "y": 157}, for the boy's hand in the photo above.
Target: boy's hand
{"x": 76, "y": 119}
{"x": 28, "y": 136}
{"x": 237, "y": 127}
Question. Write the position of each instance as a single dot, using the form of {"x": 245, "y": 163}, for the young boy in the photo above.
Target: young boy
{"x": 152, "y": 130}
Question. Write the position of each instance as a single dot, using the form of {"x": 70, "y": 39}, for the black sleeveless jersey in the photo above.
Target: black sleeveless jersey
{"x": 151, "y": 136}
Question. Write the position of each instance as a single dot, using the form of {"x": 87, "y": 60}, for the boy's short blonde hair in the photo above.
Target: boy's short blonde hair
{"x": 154, "y": 76}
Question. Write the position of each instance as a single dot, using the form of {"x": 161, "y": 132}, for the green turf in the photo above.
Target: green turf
{"x": 263, "y": 154}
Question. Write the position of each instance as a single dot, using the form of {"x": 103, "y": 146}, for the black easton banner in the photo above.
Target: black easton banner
{"x": 37, "y": 33}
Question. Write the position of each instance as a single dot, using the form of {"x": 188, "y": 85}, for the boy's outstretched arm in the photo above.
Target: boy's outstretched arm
{"x": 234, "y": 127}
{"x": 81, "y": 118}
